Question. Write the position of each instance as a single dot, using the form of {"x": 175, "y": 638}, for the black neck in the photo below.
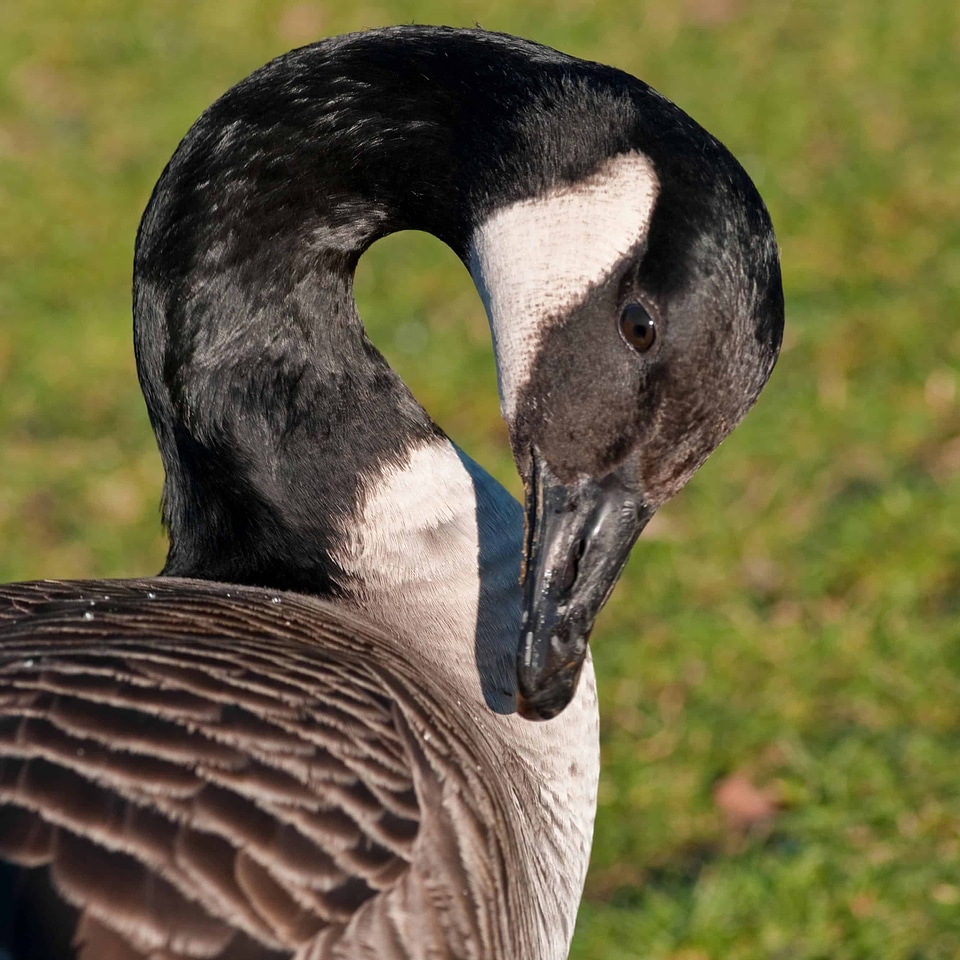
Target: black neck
{"x": 268, "y": 401}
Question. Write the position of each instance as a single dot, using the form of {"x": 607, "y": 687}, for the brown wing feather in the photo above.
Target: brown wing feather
{"x": 198, "y": 771}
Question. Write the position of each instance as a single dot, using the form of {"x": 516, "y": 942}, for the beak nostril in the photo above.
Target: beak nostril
{"x": 570, "y": 572}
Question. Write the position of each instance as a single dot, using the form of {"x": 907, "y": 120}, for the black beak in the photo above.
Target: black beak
{"x": 578, "y": 539}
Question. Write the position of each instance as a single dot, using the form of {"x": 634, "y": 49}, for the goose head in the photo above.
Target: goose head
{"x": 637, "y": 312}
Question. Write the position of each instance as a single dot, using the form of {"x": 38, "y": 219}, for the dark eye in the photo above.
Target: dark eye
{"x": 637, "y": 327}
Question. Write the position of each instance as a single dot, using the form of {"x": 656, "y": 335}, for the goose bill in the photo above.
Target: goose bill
{"x": 579, "y": 536}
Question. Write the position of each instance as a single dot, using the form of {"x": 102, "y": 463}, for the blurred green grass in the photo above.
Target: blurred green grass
{"x": 794, "y": 616}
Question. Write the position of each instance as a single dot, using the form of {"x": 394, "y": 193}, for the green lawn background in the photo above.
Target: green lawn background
{"x": 794, "y": 616}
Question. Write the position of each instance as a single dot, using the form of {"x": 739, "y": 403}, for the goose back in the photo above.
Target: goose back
{"x": 227, "y": 772}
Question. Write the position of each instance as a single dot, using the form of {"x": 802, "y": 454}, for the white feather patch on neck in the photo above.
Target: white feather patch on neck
{"x": 536, "y": 259}
{"x": 429, "y": 525}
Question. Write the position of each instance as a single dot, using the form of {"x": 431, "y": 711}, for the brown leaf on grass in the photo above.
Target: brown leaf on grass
{"x": 745, "y": 807}
{"x": 862, "y": 905}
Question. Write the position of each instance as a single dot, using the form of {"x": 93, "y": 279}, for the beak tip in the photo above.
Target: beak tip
{"x": 544, "y": 697}
{"x": 532, "y": 710}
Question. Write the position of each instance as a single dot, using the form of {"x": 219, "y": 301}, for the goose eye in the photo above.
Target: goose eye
{"x": 637, "y": 327}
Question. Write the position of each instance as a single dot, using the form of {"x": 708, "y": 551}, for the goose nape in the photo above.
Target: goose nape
{"x": 355, "y": 715}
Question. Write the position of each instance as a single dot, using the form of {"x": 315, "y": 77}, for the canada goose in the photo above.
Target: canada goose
{"x": 310, "y": 736}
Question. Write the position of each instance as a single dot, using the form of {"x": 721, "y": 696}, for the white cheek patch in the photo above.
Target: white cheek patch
{"x": 536, "y": 259}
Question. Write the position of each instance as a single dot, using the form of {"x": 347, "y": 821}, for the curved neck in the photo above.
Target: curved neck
{"x": 269, "y": 403}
